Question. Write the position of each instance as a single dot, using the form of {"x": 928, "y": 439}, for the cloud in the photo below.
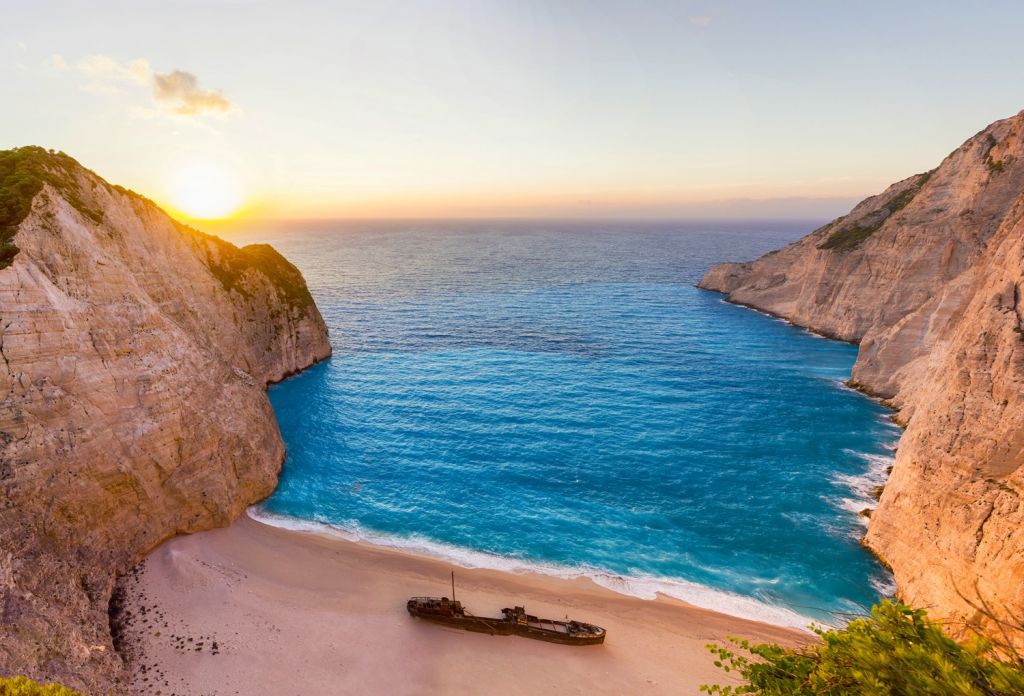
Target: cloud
{"x": 701, "y": 21}
{"x": 105, "y": 68}
{"x": 180, "y": 92}
{"x": 57, "y": 61}
{"x": 176, "y": 92}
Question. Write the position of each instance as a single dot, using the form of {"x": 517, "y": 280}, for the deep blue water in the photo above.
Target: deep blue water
{"x": 560, "y": 396}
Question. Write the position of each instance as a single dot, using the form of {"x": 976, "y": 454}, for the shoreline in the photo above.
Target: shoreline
{"x": 256, "y": 608}
{"x": 646, "y": 588}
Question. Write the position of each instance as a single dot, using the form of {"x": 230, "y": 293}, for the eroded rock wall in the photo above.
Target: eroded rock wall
{"x": 927, "y": 278}
{"x": 134, "y": 359}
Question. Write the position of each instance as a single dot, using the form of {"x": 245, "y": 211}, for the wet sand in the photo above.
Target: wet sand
{"x": 254, "y": 609}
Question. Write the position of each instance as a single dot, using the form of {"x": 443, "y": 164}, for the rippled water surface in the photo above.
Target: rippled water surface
{"x": 560, "y": 396}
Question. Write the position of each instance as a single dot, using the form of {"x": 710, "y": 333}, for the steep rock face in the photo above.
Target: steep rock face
{"x": 927, "y": 278}
{"x": 951, "y": 519}
{"x": 134, "y": 357}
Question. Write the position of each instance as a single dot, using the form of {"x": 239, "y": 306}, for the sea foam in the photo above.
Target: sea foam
{"x": 642, "y": 587}
{"x": 864, "y": 485}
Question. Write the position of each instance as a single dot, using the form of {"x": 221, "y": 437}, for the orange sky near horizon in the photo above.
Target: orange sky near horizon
{"x": 504, "y": 109}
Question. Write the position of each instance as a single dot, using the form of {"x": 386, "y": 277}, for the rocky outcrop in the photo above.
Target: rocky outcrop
{"x": 927, "y": 278}
{"x": 134, "y": 358}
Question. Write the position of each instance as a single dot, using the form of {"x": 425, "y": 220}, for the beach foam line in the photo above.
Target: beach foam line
{"x": 642, "y": 587}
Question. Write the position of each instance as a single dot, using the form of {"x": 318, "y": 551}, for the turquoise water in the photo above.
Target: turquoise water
{"x": 560, "y": 397}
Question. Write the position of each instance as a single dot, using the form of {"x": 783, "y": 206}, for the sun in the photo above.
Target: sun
{"x": 204, "y": 191}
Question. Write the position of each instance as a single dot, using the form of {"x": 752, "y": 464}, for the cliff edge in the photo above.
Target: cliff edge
{"x": 926, "y": 277}
{"x": 134, "y": 358}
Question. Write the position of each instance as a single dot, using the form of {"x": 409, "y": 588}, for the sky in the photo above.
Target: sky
{"x": 485, "y": 108}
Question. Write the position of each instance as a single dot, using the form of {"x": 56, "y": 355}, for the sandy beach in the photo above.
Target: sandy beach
{"x": 255, "y": 609}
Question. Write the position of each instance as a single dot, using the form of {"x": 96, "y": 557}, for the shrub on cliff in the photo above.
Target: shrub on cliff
{"x": 895, "y": 650}
{"x": 847, "y": 237}
{"x": 23, "y": 686}
{"x": 23, "y": 171}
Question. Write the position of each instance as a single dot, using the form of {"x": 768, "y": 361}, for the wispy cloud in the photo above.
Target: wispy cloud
{"x": 701, "y": 21}
{"x": 176, "y": 92}
{"x": 180, "y": 92}
{"x": 56, "y": 61}
{"x": 105, "y": 68}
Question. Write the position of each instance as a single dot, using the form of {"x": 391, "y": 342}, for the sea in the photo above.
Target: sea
{"x": 558, "y": 397}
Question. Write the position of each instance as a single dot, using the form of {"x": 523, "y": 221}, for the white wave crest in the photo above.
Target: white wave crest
{"x": 884, "y": 585}
{"x": 864, "y": 485}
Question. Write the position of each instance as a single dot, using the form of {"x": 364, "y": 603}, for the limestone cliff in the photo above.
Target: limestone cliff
{"x": 134, "y": 358}
{"x": 927, "y": 277}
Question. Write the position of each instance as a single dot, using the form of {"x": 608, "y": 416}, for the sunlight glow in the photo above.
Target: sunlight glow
{"x": 203, "y": 190}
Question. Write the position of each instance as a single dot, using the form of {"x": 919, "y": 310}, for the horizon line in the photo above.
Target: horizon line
{"x": 505, "y": 218}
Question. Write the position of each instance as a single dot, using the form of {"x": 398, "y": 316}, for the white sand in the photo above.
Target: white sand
{"x": 303, "y": 613}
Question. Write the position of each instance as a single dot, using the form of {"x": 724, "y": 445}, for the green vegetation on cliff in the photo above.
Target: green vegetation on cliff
{"x": 282, "y": 273}
{"x": 896, "y": 650}
{"x": 846, "y": 238}
{"x": 995, "y": 166}
{"x": 229, "y": 264}
{"x": 23, "y": 172}
{"x": 23, "y": 686}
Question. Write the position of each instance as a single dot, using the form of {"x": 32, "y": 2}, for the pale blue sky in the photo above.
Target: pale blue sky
{"x": 511, "y": 108}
